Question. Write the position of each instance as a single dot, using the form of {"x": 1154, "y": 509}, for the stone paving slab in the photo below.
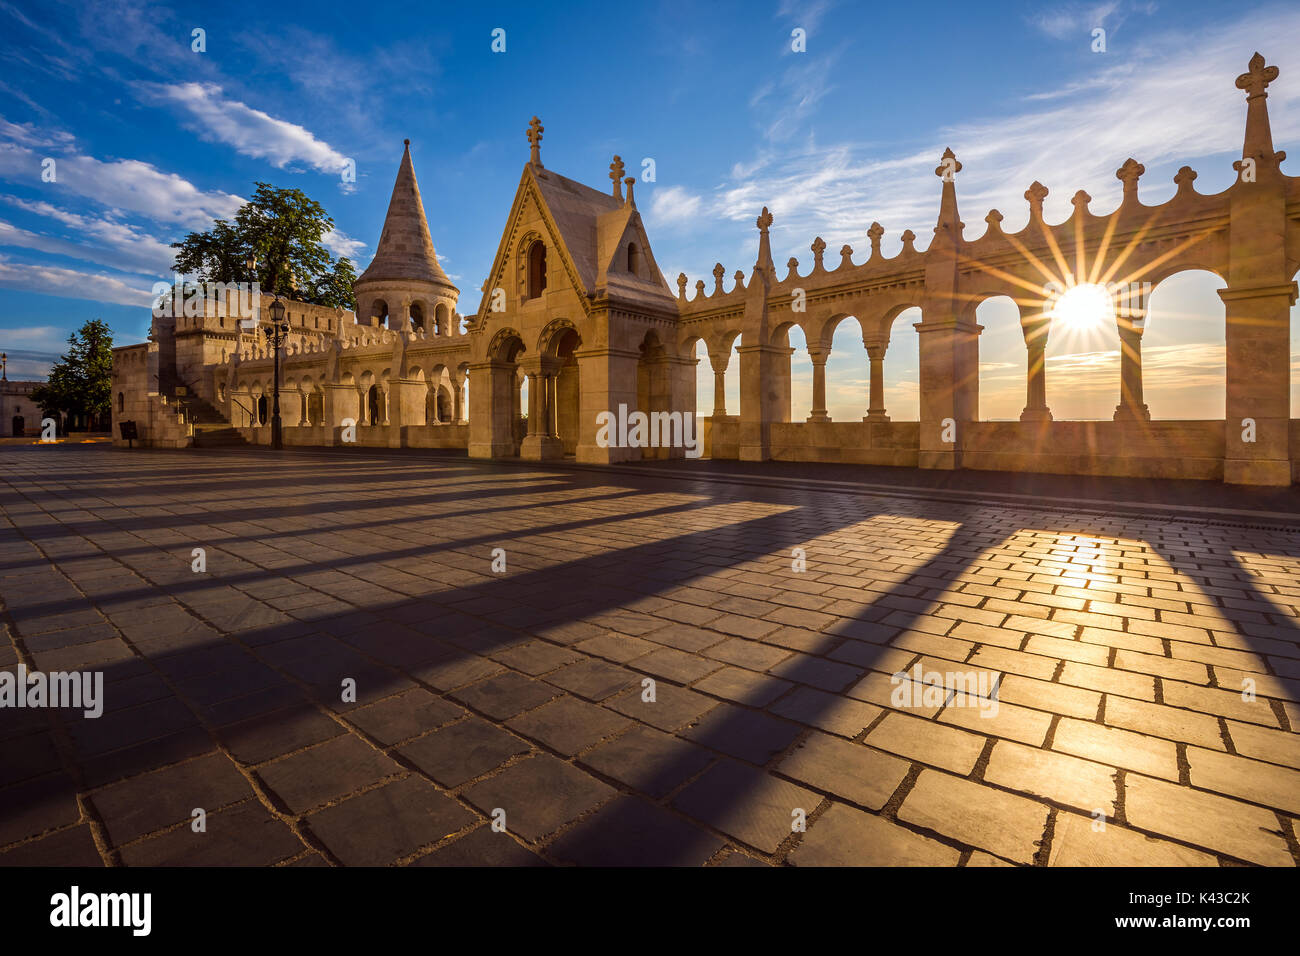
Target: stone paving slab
{"x": 653, "y": 680}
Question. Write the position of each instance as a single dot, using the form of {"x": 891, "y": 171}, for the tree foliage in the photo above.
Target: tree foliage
{"x": 284, "y": 229}
{"x": 82, "y": 381}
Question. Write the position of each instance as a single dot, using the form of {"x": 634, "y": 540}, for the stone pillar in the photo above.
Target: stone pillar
{"x": 760, "y": 397}
{"x": 819, "y": 356}
{"x": 607, "y": 378}
{"x": 457, "y": 399}
{"x": 290, "y": 407}
{"x": 876, "y": 361}
{"x": 492, "y": 397}
{"x": 949, "y": 387}
{"x": 1035, "y": 326}
{"x": 1130, "y": 318}
{"x": 407, "y": 396}
{"x": 541, "y": 442}
{"x": 341, "y": 402}
{"x": 1258, "y": 448}
{"x": 719, "y": 363}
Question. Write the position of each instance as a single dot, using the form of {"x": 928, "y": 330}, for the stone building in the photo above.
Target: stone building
{"x": 19, "y": 416}
{"x": 575, "y": 306}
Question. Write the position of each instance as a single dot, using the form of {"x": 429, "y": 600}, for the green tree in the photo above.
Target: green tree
{"x": 81, "y": 382}
{"x": 284, "y": 229}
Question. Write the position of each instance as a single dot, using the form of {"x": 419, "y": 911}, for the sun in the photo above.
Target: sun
{"x": 1082, "y": 308}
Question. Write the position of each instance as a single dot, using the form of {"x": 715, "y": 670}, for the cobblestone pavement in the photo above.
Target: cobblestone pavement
{"x": 1117, "y": 649}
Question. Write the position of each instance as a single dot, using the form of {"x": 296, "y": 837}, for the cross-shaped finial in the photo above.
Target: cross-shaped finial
{"x": 1129, "y": 174}
{"x": 616, "y": 175}
{"x": 535, "y": 128}
{"x": 1036, "y": 193}
{"x": 1257, "y": 79}
{"x": 948, "y": 166}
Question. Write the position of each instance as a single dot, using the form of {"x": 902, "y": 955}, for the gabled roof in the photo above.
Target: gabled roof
{"x": 405, "y": 248}
{"x": 588, "y": 227}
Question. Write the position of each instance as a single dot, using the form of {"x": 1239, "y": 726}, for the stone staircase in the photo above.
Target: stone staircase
{"x": 211, "y": 428}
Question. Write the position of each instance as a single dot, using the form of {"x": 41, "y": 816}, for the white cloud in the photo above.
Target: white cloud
{"x": 674, "y": 204}
{"x": 70, "y": 284}
{"x": 341, "y": 244}
{"x": 109, "y": 242}
{"x": 125, "y": 184}
{"x": 250, "y": 131}
{"x": 1171, "y": 102}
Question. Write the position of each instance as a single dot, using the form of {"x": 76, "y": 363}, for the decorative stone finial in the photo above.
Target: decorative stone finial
{"x": 874, "y": 234}
{"x": 616, "y": 174}
{"x": 793, "y": 266}
{"x": 1256, "y": 80}
{"x": 699, "y": 288}
{"x": 681, "y": 285}
{"x": 994, "y": 219}
{"x": 1080, "y": 201}
{"x": 1036, "y": 193}
{"x": 535, "y": 129}
{"x": 909, "y": 237}
{"x": 765, "y": 219}
{"x": 740, "y": 280}
{"x": 406, "y": 142}
{"x": 818, "y": 248}
{"x": 846, "y": 255}
{"x": 1184, "y": 179}
{"x": 1129, "y": 174}
{"x": 948, "y": 166}
{"x": 718, "y": 273}
{"x": 629, "y": 183}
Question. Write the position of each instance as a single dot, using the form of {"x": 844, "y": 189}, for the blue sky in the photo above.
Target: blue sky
{"x": 152, "y": 139}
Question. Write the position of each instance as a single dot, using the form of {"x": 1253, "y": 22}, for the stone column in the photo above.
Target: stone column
{"x": 1130, "y": 318}
{"x": 341, "y": 402}
{"x": 819, "y": 356}
{"x": 541, "y": 442}
{"x": 1035, "y": 325}
{"x": 719, "y": 363}
{"x": 876, "y": 361}
{"x": 492, "y": 397}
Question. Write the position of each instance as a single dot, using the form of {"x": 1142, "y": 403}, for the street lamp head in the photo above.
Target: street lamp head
{"x": 251, "y": 262}
{"x": 277, "y": 311}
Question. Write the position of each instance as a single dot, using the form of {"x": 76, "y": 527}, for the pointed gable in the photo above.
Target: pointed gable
{"x": 405, "y": 248}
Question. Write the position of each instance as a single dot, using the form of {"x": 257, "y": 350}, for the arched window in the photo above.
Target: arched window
{"x": 261, "y": 410}
{"x": 633, "y": 259}
{"x": 536, "y": 269}
{"x": 441, "y": 323}
{"x": 379, "y": 313}
{"x": 121, "y": 402}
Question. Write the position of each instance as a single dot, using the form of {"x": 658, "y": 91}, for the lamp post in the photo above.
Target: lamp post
{"x": 276, "y": 333}
{"x": 4, "y": 366}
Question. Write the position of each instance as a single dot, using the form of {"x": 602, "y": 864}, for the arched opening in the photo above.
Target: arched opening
{"x": 379, "y": 313}
{"x": 901, "y": 368}
{"x": 790, "y": 336}
{"x": 847, "y": 380}
{"x": 567, "y": 390}
{"x": 417, "y": 316}
{"x": 443, "y": 405}
{"x": 261, "y": 410}
{"x": 315, "y": 407}
{"x": 121, "y": 402}
{"x": 633, "y": 259}
{"x": 1003, "y": 360}
{"x": 19, "y": 426}
{"x": 653, "y": 389}
{"x": 1184, "y": 348}
{"x": 1083, "y": 356}
{"x": 441, "y": 319}
{"x": 536, "y": 269}
{"x": 504, "y": 426}
{"x": 374, "y": 405}
{"x": 703, "y": 379}
{"x": 461, "y": 393}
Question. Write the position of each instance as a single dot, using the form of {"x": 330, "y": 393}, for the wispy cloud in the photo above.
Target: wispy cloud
{"x": 70, "y": 283}
{"x": 252, "y": 132}
{"x": 1172, "y": 101}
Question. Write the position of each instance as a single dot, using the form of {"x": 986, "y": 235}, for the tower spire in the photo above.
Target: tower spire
{"x": 405, "y": 248}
